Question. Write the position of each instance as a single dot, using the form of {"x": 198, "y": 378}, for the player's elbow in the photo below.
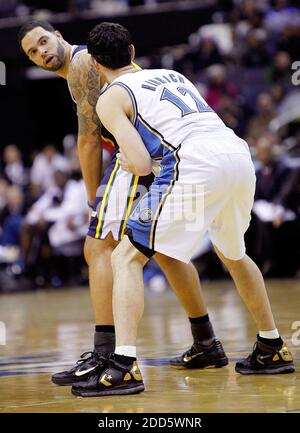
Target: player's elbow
{"x": 142, "y": 172}
{"x": 143, "y": 168}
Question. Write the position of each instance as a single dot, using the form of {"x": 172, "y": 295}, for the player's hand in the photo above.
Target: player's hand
{"x": 123, "y": 162}
{"x": 90, "y": 213}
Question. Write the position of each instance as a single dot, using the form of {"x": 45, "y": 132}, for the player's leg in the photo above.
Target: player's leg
{"x": 251, "y": 287}
{"x": 97, "y": 253}
{"x": 128, "y": 292}
{"x": 270, "y": 355}
{"x": 207, "y": 350}
{"x": 105, "y": 220}
{"x": 184, "y": 280}
{"x": 122, "y": 375}
{"x": 98, "y": 256}
{"x": 115, "y": 198}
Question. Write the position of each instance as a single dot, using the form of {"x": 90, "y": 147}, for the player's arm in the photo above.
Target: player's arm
{"x": 84, "y": 82}
{"x": 115, "y": 109}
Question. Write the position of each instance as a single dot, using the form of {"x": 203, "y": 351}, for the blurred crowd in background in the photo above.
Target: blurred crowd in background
{"x": 243, "y": 66}
{"x": 12, "y": 8}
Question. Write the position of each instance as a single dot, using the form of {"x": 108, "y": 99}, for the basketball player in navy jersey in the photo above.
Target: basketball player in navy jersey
{"x": 148, "y": 110}
{"x": 46, "y": 47}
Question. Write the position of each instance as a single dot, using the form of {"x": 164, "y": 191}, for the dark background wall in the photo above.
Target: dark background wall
{"x": 34, "y": 112}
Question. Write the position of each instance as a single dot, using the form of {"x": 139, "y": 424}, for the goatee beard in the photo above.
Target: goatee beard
{"x": 60, "y": 58}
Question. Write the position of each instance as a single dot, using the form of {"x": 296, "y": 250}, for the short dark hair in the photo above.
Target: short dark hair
{"x": 30, "y": 25}
{"x": 109, "y": 44}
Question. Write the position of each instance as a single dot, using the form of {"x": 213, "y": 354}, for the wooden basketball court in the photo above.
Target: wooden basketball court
{"x": 48, "y": 330}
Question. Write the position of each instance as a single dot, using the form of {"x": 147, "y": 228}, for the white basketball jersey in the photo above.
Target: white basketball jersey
{"x": 168, "y": 109}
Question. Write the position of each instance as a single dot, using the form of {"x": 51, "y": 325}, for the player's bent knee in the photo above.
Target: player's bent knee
{"x": 170, "y": 261}
{"x": 126, "y": 253}
{"x": 231, "y": 262}
{"x": 166, "y": 262}
{"x": 94, "y": 248}
{"x": 120, "y": 255}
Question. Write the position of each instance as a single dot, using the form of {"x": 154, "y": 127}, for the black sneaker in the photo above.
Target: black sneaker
{"x": 267, "y": 360}
{"x": 111, "y": 380}
{"x": 199, "y": 356}
{"x": 84, "y": 366}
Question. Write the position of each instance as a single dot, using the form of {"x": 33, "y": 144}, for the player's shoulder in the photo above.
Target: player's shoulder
{"x": 112, "y": 92}
{"x": 114, "y": 96}
{"x": 80, "y": 63}
{"x": 82, "y": 75}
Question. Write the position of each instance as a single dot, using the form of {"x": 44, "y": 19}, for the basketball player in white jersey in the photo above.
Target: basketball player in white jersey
{"x": 111, "y": 207}
{"x": 206, "y": 167}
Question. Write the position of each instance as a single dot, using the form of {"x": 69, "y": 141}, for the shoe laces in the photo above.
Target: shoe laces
{"x": 100, "y": 360}
{"x": 84, "y": 359}
{"x": 192, "y": 351}
{"x": 252, "y": 357}
{"x": 197, "y": 347}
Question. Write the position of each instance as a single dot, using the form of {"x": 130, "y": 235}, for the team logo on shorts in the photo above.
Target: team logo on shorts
{"x": 145, "y": 216}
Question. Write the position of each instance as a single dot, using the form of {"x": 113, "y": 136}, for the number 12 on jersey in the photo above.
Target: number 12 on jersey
{"x": 182, "y": 104}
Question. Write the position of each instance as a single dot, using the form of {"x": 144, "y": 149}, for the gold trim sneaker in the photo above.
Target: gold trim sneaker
{"x": 199, "y": 356}
{"x": 115, "y": 379}
{"x": 267, "y": 359}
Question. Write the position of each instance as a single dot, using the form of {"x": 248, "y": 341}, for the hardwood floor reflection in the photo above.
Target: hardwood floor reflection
{"x": 48, "y": 330}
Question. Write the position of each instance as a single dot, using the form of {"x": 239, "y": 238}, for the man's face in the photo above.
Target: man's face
{"x": 44, "y": 48}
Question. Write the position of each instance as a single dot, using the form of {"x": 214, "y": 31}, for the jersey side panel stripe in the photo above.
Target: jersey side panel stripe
{"x": 176, "y": 161}
{"x": 129, "y": 203}
{"x": 105, "y": 200}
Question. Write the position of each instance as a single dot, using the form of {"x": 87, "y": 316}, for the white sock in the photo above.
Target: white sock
{"x": 126, "y": 351}
{"x": 269, "y": 334}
